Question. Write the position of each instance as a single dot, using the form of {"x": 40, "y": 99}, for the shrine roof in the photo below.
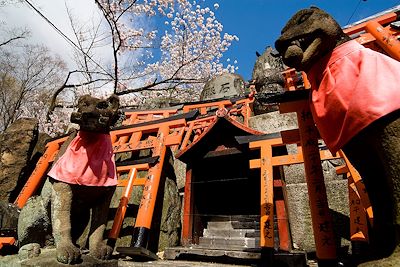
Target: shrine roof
{"x": 218, "y": 137}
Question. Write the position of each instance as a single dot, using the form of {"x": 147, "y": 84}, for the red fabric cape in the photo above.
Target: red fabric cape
{"x": 352, "y": 87}
{"x": 88, "y": 160}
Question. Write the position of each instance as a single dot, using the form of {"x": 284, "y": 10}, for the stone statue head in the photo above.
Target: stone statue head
{"x": 95, "y": 114}
{"x": 309, "y": 35}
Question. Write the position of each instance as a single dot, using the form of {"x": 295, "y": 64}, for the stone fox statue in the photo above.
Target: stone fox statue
{"x": 355, "y": 102}
{"x": 84, "y": 176}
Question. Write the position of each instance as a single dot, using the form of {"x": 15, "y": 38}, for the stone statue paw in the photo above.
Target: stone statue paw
{"x": 67, "y": 253}
{"x": 101, "y": 252}
{"x": 29, "y": 251}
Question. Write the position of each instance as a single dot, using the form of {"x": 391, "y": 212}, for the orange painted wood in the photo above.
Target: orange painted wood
{"x": 39, "y": 172}
{"x": 283, "y": 226}
{"x": 384, "y": 19}
{"x": 187, "y": 225}
{"x": 133, "y": 117}
{"x": 147, "y": 203}
{"x": 122, "y": 207}
{"x": 123, "y": 204}
{"x": 147, "y": 128}
{"x": 267, "y": 199}
{"x": 321, "y": 218}
{"x": 384, "y": 38}
{"x": 358, "y": 217}
{"x": 135, "y": 137}
{"x": 187, "y": 135}
{"x": 342, "y": 170}
{"x": 137, "y": 182}
{"x": 5, "y": 240}
{"x": 290, "y": 159}
{"x": 360, "y": 188}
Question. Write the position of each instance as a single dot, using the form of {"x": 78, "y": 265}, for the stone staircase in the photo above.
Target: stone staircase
{"x": 236, "y": 240}
{"x": 232, "y": 233}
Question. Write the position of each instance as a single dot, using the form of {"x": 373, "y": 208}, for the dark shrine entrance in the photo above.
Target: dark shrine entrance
{"x": 224, "y": 188}
{"x": 222, "y": 194}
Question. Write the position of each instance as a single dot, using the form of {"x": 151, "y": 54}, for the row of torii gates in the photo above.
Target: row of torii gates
{"x": 193, "y": 130}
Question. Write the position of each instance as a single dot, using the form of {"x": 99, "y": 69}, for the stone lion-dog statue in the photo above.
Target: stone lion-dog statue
{"x": 84, "y": 176}
{"x": 80, "y": 183}
{"x": 355, "y": 102}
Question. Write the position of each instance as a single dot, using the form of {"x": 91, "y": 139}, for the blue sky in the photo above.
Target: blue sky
{"x": 258, "y": 23}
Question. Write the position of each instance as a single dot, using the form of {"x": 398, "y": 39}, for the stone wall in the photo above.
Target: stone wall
{"x": 16, "y": 145}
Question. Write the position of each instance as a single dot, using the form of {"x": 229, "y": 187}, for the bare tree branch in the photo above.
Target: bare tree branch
{"x": 11, "y": 39}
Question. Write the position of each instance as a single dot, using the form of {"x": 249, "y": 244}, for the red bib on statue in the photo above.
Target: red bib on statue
{"x": 351, "y": 88}
{"x": 88, "y": 160}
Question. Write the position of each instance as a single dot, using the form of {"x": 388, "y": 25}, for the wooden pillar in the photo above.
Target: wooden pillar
{"x": 187, "y": 225}
{"x": 147, "y": 203}
{"x": 321, "y": 218}
{"x": 266, "y": 193}
{"x": 39, "y": 172}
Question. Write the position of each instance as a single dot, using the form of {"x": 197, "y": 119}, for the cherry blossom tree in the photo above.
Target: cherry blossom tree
{"x": 155, "y": 48}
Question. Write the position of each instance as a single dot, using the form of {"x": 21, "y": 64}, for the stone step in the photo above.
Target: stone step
{"x": 231, "y": 233}
{"x": 229, "y": 243}
{"x": 237, "y": 257}
{"x": 239, "y": 218}
{"x": 214, "y": 225}
{"x": 255, "y": 234}
{"x": 210, "y": 253}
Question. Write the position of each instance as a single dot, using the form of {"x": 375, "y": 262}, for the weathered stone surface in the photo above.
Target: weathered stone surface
{"x": 48, "y": 259}
{"x": 10, "y": 261}
{"x": 45, "y": 260}
{"x": 178, "y": 263}
{"x": 96, "y": 114}
{"x": 171, "y": 216}
{"x": 34, "y": 224}
{"x": 134, "y": 199}
{"x": 8, "y": 216}
{"x": 266, "y": 61}
{"x": 230, "y": 243}
{"x": 267, "y": 74}
{"x": 300, "y": 216}
{"x": 281, "y": 258}
{"x": 40, "y": 145}
{"x": 224, "y": 85}
{"x": 173, "y": 253}
{"x": 329, "y": 169}
{"x": 231, "y": 233}
{"x": 295, "y": 173}
{"x": 29, "y": 251}
{"x": 230, "y": 225}
{"x": 391, "y": 261}
{"x": 16, "y": 145}
{"x": 273, "y": 122}
{"x": 180, "y": 173}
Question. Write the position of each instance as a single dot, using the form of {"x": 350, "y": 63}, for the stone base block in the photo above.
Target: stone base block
{"x": 300, "y": 216}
